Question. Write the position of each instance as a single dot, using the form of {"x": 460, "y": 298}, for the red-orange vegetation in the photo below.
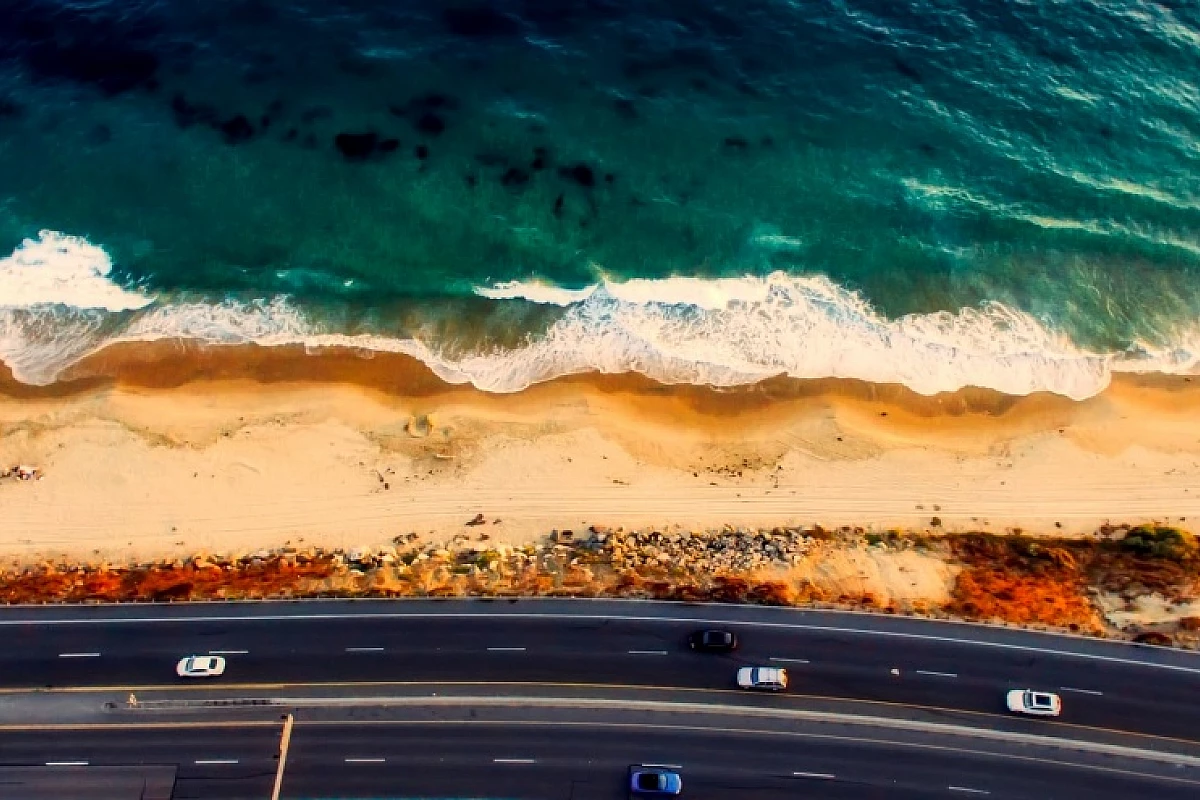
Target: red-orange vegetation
{"x": 1047, "y": 581}
{"x": 266, "y": 578}
{"x": 987, "y": 593}
{"x": 1021, "y": 580}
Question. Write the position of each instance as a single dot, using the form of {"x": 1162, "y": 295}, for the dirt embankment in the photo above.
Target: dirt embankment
{"x": 1135, "y": 582}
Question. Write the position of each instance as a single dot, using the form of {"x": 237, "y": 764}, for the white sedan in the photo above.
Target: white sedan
{"x": 1039, "y": 704}
{"x": 200, "y": 667}
{"x": 771, "y": 679}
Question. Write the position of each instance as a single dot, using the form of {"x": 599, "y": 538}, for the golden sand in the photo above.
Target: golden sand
{"x": 151, "y": 450}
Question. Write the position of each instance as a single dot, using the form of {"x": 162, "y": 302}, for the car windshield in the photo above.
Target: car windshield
{"x": 649, "y": 780}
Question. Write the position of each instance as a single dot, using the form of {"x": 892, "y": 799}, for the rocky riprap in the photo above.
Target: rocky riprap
{"x": 596, "y": 561}
{"x": 726, "y": 551}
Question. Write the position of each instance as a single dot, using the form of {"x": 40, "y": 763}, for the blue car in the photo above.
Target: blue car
{"x": 648, "y": 781}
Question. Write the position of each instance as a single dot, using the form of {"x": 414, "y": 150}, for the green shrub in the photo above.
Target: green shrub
{"x": 1154, "y": 541}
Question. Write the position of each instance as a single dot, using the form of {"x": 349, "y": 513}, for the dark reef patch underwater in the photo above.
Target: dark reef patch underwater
{"x": 937, "y": 193}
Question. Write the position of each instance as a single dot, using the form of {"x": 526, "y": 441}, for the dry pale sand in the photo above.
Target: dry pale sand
{"x": 222, "y": 461}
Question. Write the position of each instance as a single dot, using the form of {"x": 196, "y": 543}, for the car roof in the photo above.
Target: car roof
{"x": 769, "y": 674}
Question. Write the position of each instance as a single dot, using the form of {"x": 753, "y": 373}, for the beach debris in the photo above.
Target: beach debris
{"x": 418, "y": 427}
{"x": 476, "y": 520}
{"x": 23, "y": 472}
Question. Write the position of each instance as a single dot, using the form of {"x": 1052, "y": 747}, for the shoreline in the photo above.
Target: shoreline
{"x": 165, "y": 449}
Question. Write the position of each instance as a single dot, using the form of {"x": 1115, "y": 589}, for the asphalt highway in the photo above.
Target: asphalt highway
{"x": 951, "y": 667}
{"x": 550, "y": 762}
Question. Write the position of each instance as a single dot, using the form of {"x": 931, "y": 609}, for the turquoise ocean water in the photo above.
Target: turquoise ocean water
{"x": 938, "y": 193}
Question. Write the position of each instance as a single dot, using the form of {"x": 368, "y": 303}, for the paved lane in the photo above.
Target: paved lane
{"x": 1113, "y": 691}
{"x": 553, "y": 762}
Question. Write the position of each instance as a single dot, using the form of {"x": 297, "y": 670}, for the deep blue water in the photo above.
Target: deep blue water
{"x": 932, "y": 192}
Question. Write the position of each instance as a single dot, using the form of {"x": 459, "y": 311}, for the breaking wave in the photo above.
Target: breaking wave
{"x": 58, "y": 304}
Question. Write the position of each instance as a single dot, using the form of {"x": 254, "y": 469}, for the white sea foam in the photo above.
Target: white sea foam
{"x": 38, "y": 343}
{"x": 1181, "y": 357}
{"x": 535, "y": 292}
{"x": 707, "y": 293}
{"x": 740, "y": 330}
{"x": 56, "y": 304}
{"x": 720, "y": 332}
{"x": 57, "y": 269}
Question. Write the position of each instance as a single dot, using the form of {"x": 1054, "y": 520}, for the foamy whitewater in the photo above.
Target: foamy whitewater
{"x": 59, "y": 304}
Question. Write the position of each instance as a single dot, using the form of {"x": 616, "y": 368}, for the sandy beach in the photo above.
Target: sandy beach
{"x": 236, "y": 449}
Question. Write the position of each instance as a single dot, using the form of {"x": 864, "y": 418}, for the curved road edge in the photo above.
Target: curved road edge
{"x": 842, "y": 622}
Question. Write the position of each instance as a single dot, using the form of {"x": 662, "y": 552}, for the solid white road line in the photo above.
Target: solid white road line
{"x": 967, "y": 789}
{"x": 364, "y": 649}
{"x": 647, "y": 652}
{"x": 937, "y": 674}
{"x": 78, "y": 655}
{"x": 824, "y": 775}
{"x": 514, "y": 761}
{"x": 1081, "y": 691}
{"x": 665, "y": 766}
{"x": 366, "y": 760}
{"x": 506, "y": 649}
{"x": 228, "y": 652}
{"x": 789, "y": 660}
{"x": 206, "y": 761}
{"x": 66, "y": 763}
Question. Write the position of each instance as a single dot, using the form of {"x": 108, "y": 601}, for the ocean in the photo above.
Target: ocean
{"x": 934, "y": 193}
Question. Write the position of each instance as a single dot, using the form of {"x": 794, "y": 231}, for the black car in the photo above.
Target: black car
{"x": 713, "y": 641}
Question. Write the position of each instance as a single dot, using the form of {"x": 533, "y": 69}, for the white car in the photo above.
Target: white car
{"x": 200, "y": 667}
{"x": 770, "y": 679}
{"x": 1039, "y": 704}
